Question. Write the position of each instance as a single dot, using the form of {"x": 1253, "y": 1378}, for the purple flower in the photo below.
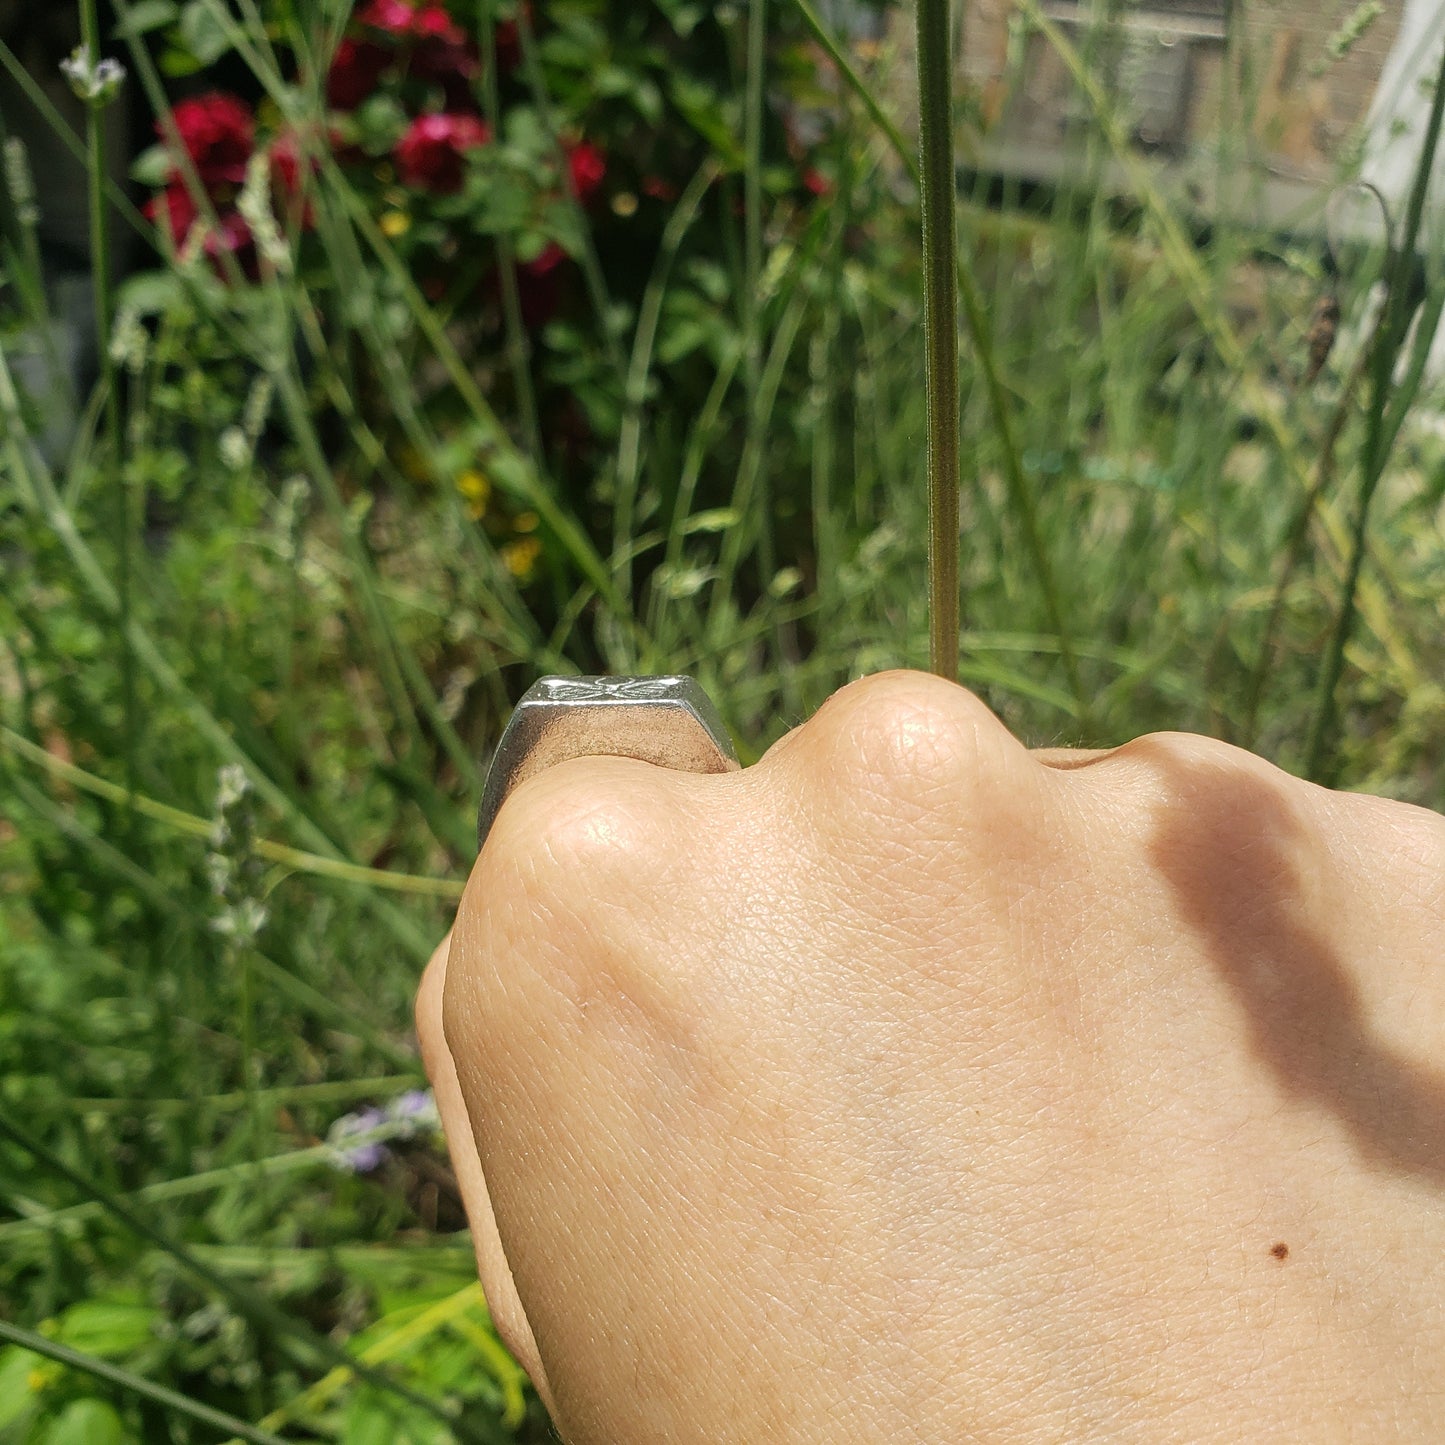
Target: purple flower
{"x": 354, "y": 1142}
{"x": 414, "y": 1112}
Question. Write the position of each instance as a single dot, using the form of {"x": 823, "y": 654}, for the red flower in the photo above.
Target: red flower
{"x": 432, "y": 154}
{"x": 432, "y": 22}
{"x": 285, "y": 157}
{"x": 355, "y": 73}
{"x": 539, "y": 284}
{"x": 405, "y": 21}
{"x": 508, "y": 40}
{"x": 393, "y": 16}
{"x": 218, "y": 132}
{"x": 586, "y": 166}
{"x": 180, "y": 211}
{"x": 817, "y": 182}
{"x": 658, "y": 188}
{"x": 229, "y": 234}
{"x": 453, "y": 67}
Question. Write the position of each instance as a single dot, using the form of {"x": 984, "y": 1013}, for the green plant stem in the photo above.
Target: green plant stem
{"x": 630, "y": 432}
{"x": 1296, "y": 535}
{"x": 519, "y": 345}
{"x": 137, "y": 1385}
{"x": 104, "y": 318}
{"x": 1386, "y": 349}
{"x": 753, "y": 192}
{"x": 293, "y": 859}
{"x": 940, "y": 330}
{"x": 838, "y": 55}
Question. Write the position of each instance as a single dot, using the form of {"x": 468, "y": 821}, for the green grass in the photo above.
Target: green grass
{"x": 186, "y": 1010}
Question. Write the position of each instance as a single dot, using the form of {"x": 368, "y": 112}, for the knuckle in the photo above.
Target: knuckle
{"x": 577, "y": 881}
{"x": 1229, "y": 824}
{"x": 1186, "y": 768}
{"x": 586, "y": 822}
{"x": 914, "y": 736}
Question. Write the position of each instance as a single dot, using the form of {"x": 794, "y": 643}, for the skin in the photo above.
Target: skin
{"x": 909, "y": 1085}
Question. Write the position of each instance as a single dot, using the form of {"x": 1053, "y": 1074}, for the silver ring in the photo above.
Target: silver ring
{"x": 668, "y": 721}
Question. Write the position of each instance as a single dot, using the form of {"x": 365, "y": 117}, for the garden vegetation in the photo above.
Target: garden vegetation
{"x": 479, "y": 340}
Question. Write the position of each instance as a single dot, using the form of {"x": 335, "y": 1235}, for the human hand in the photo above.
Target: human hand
{"x": 908, "y": 1085}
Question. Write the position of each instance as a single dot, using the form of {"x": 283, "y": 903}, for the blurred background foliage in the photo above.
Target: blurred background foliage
{"x": 468, "y": 342}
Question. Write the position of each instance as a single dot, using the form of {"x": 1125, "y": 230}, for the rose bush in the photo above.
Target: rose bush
{"x": 522, "y": 164}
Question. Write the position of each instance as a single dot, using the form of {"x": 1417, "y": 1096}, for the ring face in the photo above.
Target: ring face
{"x": 667, "y": 721}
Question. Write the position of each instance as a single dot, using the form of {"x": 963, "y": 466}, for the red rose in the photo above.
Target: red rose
{"x": 453, "y": 67}
{"x": 286, "y": 162}
{"x": 508, "y": 39}
{"x": 392, "y": 16}
{"x": 432, "y": 22}
{"x": 218, "y": 132}
{"x": 586, "y": 166}
{"x": 229, "y": 234}
{"x": 179, "y": 212}
{"x": 355, "y": 73}
{"x": 402, "y": 20}
{"x": 432, "y": 154}
{"x": 539, "y": 286}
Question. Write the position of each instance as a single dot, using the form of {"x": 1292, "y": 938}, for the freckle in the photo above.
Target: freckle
{"x": 1280, "y": 1250}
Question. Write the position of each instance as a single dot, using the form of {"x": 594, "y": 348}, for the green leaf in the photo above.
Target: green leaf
{"x": 17, "y": 1395}
{"x": 150, "y": 293}
{"x": 202, "y": 33}
{"x": 145, "y": 16}
{"x": 367, "y": 1423}
{"x": 86, "y": 1422}
{"x": 176, "y": 63}
{"x": 379, "y": 123}
{"x": 152, "y": 167}
{"x": 713, "y": 119}
{"x": 106, "y": 1327}
{"x": 716, "y": 519}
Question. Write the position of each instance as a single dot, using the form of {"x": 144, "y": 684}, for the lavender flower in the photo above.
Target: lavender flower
{"x": 93, "y": 81}
{"x": 355, "y": 1141}
{"x": 413, "y": 1113}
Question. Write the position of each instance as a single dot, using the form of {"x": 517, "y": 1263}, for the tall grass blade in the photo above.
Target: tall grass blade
{"x": 137, "y": 1385}
{"x": 940, "y": 330}
{"x": 1387, "y": 346}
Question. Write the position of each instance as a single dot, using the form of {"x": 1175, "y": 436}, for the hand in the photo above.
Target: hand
{"x": 911, "y": 1086}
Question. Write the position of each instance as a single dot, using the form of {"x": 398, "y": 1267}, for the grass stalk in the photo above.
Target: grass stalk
{"x": 100, "y": 277}
{"x": 1386, "y": 347}
{"x": 629, "y": 436}
{"x": 135, "y": 1384}
{"x": 940, "y": 329}
{"x": 295, "y": 860}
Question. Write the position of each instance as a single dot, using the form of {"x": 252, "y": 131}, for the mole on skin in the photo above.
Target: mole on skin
{"x": 1280, "y": 1250}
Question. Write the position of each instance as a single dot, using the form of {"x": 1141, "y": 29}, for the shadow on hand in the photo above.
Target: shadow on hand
{"x": 1237, "y": 857}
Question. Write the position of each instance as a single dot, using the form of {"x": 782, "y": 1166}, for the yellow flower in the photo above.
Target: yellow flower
{"x": 394, "y": 224}
{"x": 525, "y": 522}
{"x": 476, "y": 489}
{"x": 521, "y": 556}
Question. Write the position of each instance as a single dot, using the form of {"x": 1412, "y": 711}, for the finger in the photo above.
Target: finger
{"x": 504, "y": 1303}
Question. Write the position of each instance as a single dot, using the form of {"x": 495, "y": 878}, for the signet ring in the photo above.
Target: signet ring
{"x": 668, "y": 721}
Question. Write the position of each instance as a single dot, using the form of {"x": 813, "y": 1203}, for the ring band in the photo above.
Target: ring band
{"x": 668, "y": 721}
